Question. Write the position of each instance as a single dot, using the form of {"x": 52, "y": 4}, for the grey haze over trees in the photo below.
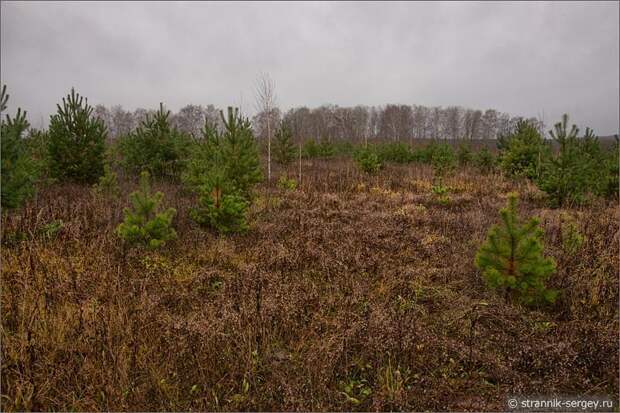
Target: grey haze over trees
{"x": 535, "y": 59}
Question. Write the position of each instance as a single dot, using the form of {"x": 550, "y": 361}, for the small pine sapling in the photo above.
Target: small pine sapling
{"x": 609, "y": 186}
{"x": 511, "y": 258}
{"x": 156, "y": 146}
{"x": 223, "y": 171}
{"x": 442, "y": 193}
{"x": 574, "y": 172}
{"x": 286, "y": 183}
{"x": 108, "y": 184}
{"x": 239, "y": 153}
{"x": 368, "y": 161}
{"x": 283, "y": 146}
{"x": 145, "y": 224}
{"x": 572, "y": 239}
{"x": 484, "y": 160}
{"x": 220, "y": 205}
{"x": 443, "y": 161}
{"x": 464, "y": 154}
{"x": 522, "y": 151}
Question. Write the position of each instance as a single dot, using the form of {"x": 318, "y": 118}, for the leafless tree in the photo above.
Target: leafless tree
{"x": 139, "y": 116}
{"x": 266, "y": 102}
{"x": 373, "y": 122}
{"x": 359, "y": 123}
{"x": 299, "y": 121}
{"x": 396, "y": 122}
{"x": 104, "y": 114}
{"x": 471, "y": 124}
{"x": 189, "y": 119}
{"x": 436, "y": 123}
{"x": 503, "y": 124}
{"x": 453, "y": 122}
{"x": 212, "y": 115}
{"x": 122, "y": 121}
{"x": 489, "y": 124}
{"x": 420, "y": 120}
{"x": 262, "y": 120}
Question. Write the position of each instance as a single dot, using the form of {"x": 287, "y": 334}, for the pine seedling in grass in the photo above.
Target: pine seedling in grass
{"x": 609, "y": 185}
{"x": 572, "y": 239}
{"x": 511, "y": 258}
{"x": 464, "y": 154}
{"x": 145, "y": 224}
{"x": 484, "y": 160}
{"x": 368, "y": 161}
{"x": 108, "y": 184}
{"x": 220, "y": 205}
{"x": 443, "y": 161}
{"x": 286, "y": 183}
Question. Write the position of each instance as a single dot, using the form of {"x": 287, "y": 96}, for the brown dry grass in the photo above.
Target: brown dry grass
{"x": 350, "y": 280}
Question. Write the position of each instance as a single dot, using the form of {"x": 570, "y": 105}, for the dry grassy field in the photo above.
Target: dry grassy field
{"x": 352, "y": 292}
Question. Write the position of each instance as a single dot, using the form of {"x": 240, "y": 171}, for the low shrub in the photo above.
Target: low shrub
{"x": 368, "y": 160}
{"x": 287, "y": 183}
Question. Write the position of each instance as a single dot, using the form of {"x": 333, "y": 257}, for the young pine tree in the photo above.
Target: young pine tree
{"x": 220, "y": 206}
{"x": 19, "y": 171}
{"x": 204, "y": 156}
{"x": 443, "y": 161}
{"x": 609, "y": 185}
{"x": 239, "y": 153}
{"x": 155, "y": 146}
{"x": 145, "y": 224}
{"x": 368, "y": 160}
{"x": 522, "y": 151}
{"x": 464, "y": 154}
{"x": 283, "y": 147}
{"x": 484, "y": 160}
{"x": 76, "y": 141}
{"x": 224, "y": 170}
{"x": 568, "y": 176}
{"x": 108, "y": 184}
{"x": 511, "y": 258}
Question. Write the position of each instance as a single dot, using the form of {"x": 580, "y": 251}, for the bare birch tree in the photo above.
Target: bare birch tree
{"x": 265, "y": 103}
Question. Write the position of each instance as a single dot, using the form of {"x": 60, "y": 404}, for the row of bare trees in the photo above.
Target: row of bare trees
{"x": 332, "y": 122}
{"x": 189, "y": 119}
{"x": 398, "y": 122}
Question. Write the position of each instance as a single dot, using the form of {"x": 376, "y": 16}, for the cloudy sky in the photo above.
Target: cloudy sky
{"x": 526, "y": 59}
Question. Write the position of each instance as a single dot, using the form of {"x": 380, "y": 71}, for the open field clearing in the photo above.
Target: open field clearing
{"x": 351, "y": 292}
{"x": 309, "y": 206}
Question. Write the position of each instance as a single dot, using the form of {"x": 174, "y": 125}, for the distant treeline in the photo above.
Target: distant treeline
{"x": 334, "y": 123}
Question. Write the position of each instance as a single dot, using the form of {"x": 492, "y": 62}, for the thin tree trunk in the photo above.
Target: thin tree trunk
{"x": 299, "y": 164}
{"x": 268, "y": 148}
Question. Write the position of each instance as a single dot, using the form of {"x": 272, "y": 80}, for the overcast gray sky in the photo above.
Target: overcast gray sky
{"x": 522, "y": 58}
